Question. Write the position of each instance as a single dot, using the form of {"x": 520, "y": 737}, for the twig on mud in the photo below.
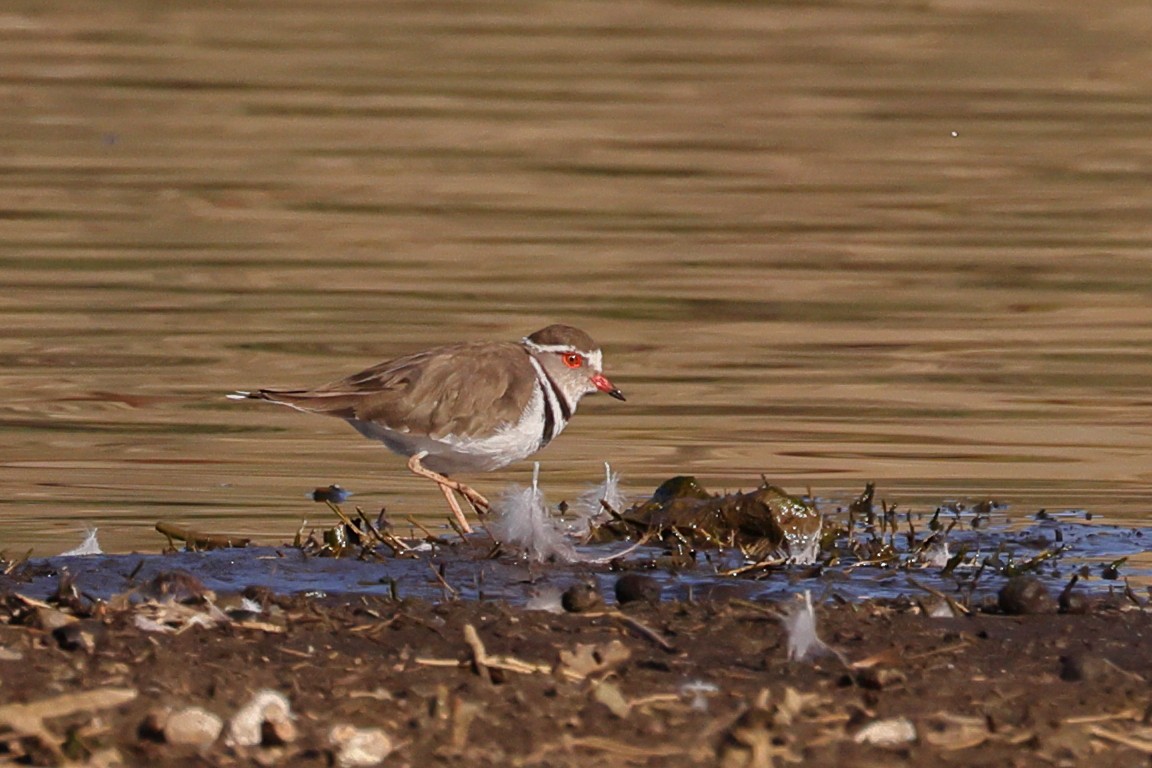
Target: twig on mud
{"x": 388, "y": 539}
{"x": 398, "y": 547}
{"x": 1141, "y": 745}
{"x": 198, "y": 540}
{"x": 479, "y": 653}
{"x": 952, "y": 603}
{"x": 11, "y": 566}
{"x": 484, "y": 662}
{"x": 609, "y": 558}
{"x": 640, "y": 628}
{"x": 757, "y": 566}
{"x": 449, "y": 590}
{"x": 428, "y": 535}
{"x": 1104, "y": 717}
{"x": 29, "y": 719}
{"x": 954, "y": 648}
{"x": 628, "y": 752}
{"x": 764, "y": 610}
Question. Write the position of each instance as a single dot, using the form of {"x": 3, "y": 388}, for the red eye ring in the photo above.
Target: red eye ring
{"x": 573, "y": 359}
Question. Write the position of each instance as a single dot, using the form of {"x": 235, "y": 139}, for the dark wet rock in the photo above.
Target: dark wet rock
{"x": 581, "y": 597}
{"x": 83, "y": 635}
{"x": 1025, "y": 595}
{"x": 179, "y": 586}
{"x": 879, "y": 678}
{"x": 1087, "y": 667}
{"x": 333, "y": 493}
{"x": 636, "y": 587}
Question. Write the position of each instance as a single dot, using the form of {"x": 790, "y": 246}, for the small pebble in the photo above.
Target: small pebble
{"x": 192, "y": 726}
{"x": 580, "y": 597}
{"x": 50, "y": 619}
{"x": 1085, "y": 667}
{"x": 178, "y": 586}
{"x": 636, "y": 587}
{"x": 359, "y": 746}
{"x": 893, "y": 732}
{"x": 1025, "y": 595}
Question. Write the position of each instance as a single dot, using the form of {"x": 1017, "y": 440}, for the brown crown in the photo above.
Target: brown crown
{"x": 563, "y": 335}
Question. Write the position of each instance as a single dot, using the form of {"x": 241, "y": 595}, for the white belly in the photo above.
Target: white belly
{"x": 451, "y": 454}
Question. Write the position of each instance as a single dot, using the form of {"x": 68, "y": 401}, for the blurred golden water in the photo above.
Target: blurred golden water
{"x": 908, "y": 242}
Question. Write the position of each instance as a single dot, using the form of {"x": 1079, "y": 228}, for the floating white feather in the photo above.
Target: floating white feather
{"x": 588, "y": 508}
{"x": 523, "y": 521}
{"x": 90, "y": 546}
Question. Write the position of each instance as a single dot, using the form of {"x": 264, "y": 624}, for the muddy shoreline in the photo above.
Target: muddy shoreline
{"x": 647, "y": 683}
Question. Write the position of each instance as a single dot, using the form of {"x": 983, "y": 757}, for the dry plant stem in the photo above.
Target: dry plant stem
{"x": 609, "y": 558}
{"x": 29, "y": 719}
{"x": 479, "y": 653}
{"x": 448, "y": 588}
{"x": 626, "y": 752}
{"x": 640, "y": 628}
{"x": 447, "y": 486}
{"x": 428, "y": 535}
{"x": 484, "y": 663}
{"x": 1141, "y": 745}
{"x": 940, "y": 595}
{"x": 17, "y": 562}
{"x": 199, "y": 540}
{"x": 398, "y": 547}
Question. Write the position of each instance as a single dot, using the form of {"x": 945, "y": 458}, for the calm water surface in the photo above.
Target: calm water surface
{"x": 824, "y": 242}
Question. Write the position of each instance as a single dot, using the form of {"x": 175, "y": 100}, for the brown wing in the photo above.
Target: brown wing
{"x": 464, "y": 389}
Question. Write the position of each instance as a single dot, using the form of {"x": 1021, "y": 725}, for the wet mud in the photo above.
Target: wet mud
{"x": 1009, "y": 645}
{"x": 651, "y": 683}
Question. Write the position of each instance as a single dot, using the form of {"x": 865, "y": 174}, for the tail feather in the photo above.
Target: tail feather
{"x": 330, "y": 404}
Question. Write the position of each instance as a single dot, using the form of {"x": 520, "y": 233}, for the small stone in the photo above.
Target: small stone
{"x": 893, "y": 732}
{"x": 359, "y": 746}
{"x": 178, "y": 586}
{"x": 50, "y": 619}
{"x": 581, "y": 597}
{"x": 192, "y": 726}
{"x": 1025, "y": 595}
{"x": 612, "y": 698}
{"x": 879, "y": 678}
{"x": 636, "y": 587}
{"x": 1086, "y": 667}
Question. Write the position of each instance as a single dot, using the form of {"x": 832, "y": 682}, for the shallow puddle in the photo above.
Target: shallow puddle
{"x": 984, "y": 549}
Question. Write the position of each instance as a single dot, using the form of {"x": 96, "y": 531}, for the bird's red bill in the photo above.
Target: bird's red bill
{"x": 601, "y": 382}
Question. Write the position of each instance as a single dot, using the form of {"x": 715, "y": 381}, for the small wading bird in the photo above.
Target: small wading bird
{"x": 464, "y": 407}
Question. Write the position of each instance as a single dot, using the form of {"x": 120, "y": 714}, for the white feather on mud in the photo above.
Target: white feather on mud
{"x": 800, "y": 622}
{"x": 588, "y": 508}
{"x": 522, "y": 520}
